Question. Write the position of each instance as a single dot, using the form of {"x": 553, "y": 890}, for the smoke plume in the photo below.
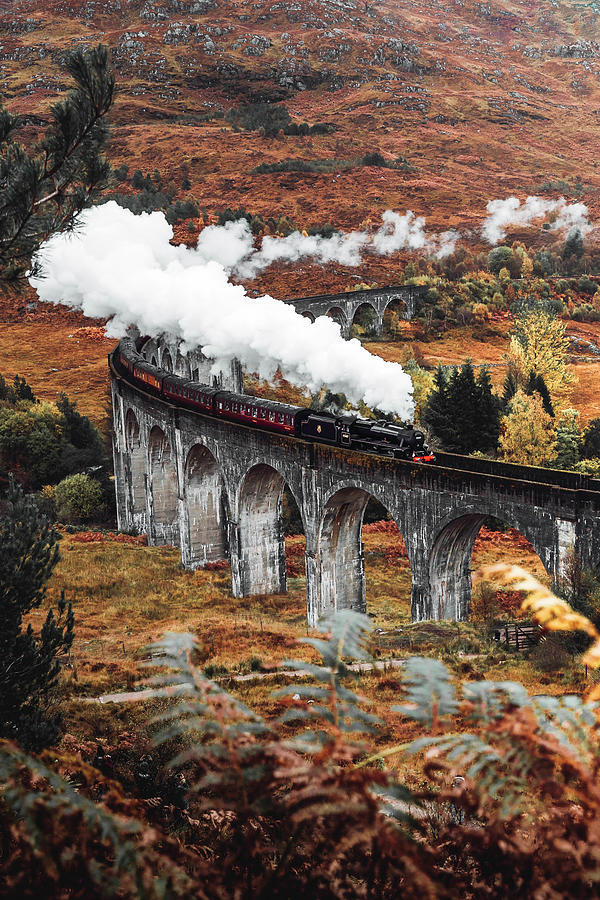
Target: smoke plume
{"x": 232, "y": 244}
{"x": 503, "y": 213}
{"x": 121, "y": 267}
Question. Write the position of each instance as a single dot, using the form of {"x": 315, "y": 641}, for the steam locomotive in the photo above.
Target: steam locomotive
{"x": 347, "y": 431}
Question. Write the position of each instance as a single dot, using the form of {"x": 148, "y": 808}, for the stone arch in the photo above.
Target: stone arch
{"x": 164, "y": 489}
{"x": 449, "y": 567}
{"x": 166, "y": 361}
{"x": 261, "y": 544}
{"x": 396, "y": 306}
{"x": 340, "y": 565}
{"x": 338, "y": 315}
{"x": 308, "y": 315}
{"x": 137, "y": 471}
{"x": 206, "y": 509}
{"x": 365, "y": 321}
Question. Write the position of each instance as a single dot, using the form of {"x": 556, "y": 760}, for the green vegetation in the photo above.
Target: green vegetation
{"x": 43, "y": 188}
{"x": 462, "y": 411}
{"x": 150, "y": 195}
{"x": 29, "y": 668}
{"x": 41, "y": 442}
{"x": 332, "y": 165}
{"x": 78, "y": 498}
{"x": 271, "y": 118}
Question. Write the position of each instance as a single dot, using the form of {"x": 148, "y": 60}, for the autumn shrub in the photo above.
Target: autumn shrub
{"x": 78, "y": 498}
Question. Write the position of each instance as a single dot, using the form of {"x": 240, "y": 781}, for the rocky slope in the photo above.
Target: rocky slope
{"x": 481, "y": 99}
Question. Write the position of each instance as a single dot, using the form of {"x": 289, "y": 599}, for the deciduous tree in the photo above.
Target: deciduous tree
{"x": 527, "y": 434}
{"x": 539, "y": 345}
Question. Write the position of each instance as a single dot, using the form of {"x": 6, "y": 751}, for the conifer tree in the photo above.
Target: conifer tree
{"x": 590, "y": 447}
{"x": 487, "y": 430}
{"x": 510, "y": 388}
{"x": 42, "y": 188}
{"x": 568, "y": 440}
{"x": 462, "y": 411}
{"x": 438, "y": 415}
{"x": 28, "y": 665}
{"x": 536, "y": 383}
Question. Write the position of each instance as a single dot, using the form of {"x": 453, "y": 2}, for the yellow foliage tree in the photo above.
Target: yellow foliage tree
{"x": 526, "y": 267}
{"x": 423, "y": 383}
{"x": 527, "y": 432}
{"x": 539, "y": 345}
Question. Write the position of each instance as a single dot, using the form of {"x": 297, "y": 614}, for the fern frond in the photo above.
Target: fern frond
{"x": 429, "y": 691}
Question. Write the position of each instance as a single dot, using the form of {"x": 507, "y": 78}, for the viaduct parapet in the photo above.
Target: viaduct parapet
{"x": 373, "y": 302}
{"x": 214, "y": 489}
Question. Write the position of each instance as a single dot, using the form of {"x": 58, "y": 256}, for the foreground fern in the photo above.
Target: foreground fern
{"x": 296, "y": 808}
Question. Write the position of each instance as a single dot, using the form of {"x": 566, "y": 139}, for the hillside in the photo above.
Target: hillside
{"x": 481, "y": 100}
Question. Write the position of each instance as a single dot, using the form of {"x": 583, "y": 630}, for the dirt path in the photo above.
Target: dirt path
{"x": 132, "y": 696}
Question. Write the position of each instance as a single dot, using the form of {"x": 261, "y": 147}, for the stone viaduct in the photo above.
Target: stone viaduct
{"x": 214, "y": 488}
{"x": 371, "y": 303}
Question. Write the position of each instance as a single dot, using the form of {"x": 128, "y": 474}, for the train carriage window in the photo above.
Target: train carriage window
{"x": 262, "y": 413}
{"x": 280, "y": 417}
{"x": 271, "y": 416}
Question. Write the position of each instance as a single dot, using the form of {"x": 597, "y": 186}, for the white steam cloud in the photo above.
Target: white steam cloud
{"x": 233, "y": 245}
{"x": 122, "y": 267}
{"x": 504, "y": 213}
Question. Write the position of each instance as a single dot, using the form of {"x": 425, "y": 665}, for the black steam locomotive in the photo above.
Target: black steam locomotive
{"x": 340, "y": 430}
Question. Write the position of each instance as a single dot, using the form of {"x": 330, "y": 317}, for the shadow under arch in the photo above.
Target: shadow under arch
{"x": 261, "y": 538}
{"x": 340, "y": 561}
{"x": 365, "y": 321}
{"x": 206, "y": 508}
{"x": 163, "y": 480}
{"x": 166, "y": 361}
{"x": 308, "y": 315}
{"x": 450, "y": 563}
{"x": 137, "y": 471}
{"x": 338, "y": 315}
{"x": 394, "y": 311}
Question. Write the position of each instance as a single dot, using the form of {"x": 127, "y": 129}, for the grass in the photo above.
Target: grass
{"x": 125, "y": 596}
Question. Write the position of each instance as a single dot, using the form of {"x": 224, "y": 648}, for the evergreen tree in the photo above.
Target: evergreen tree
{"x": 462, "y": 412}
{"x": 28, "y": 665}
{"x": 488, "y": 419}
{"x": 590, "y": 447}
{"x": 573, "y": 245}
{"x": 568, "y": 440}
{"x": 536, "y": 383}
{"x": 510, "y": 388}
{"x": 43, "y": 188}
{"x": 438, "y": 415}
{"x": 464, "y": 402}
